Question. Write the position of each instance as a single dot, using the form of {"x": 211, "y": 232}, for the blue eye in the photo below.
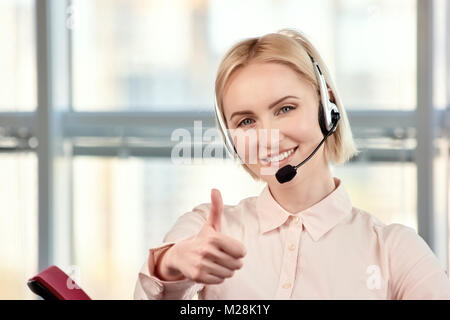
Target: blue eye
{"x": 287, "y": 107}
{"x": 240, "y": 123}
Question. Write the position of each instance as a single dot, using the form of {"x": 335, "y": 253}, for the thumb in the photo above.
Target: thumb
{"x": 215, "y": 215}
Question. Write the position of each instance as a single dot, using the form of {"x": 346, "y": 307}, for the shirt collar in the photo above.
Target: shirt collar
{"x": 317, "y": 219}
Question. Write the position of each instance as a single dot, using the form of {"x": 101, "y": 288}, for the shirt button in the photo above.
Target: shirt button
{"x": 292, "y": 247}
{"x": 286, "y": 285}
{"x": 297, "y": 220}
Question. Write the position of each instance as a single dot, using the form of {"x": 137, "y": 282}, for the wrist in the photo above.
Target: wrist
{"x": 165, "y": 268}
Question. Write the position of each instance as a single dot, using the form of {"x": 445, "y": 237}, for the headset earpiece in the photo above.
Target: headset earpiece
{"x": 328, "y": 111}
{"x": 335, "y": 115}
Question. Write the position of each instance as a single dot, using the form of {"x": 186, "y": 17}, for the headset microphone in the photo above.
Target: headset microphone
{"x": 288, "y": 172}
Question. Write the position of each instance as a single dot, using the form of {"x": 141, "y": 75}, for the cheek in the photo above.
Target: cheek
{"x": 246, "y": 145}
{"x": 300, "y": 130}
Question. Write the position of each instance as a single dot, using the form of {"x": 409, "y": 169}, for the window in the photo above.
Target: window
{"x": 137, "y": 70}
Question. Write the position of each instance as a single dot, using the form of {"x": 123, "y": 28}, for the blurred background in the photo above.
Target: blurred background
{"x": 91, "y": 91}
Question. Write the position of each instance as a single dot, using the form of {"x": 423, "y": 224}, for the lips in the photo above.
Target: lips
{"x": 270, "y": 159}
{"x": 270, "y": 155}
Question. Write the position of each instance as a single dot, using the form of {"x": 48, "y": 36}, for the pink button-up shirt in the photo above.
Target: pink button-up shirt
{"x": 331, "y": 250}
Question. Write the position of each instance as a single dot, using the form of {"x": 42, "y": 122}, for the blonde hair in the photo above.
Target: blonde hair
{"x": 291, "y": 48}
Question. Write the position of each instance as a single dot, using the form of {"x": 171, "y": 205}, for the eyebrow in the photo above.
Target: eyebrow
{"x": 273, "y": 104}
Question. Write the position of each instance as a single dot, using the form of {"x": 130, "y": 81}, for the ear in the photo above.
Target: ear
{"x": 331, "y": 95}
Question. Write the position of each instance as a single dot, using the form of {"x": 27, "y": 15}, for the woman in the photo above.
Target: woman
{"x": 300, "y": 239}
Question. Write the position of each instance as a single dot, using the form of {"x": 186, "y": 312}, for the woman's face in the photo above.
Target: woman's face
{"x": 261, "y": 127}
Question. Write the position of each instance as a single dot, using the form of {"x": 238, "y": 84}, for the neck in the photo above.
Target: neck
{"x": 305, "y": 190}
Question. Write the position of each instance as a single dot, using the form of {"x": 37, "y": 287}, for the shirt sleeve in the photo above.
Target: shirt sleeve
{"x": 416, "y": 273}
{"x": 148, "y": 285}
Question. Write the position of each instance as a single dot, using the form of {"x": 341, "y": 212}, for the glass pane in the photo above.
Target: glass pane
{"x": 18, "y": 224}
{"x": 160, "y": 55}
{"x": 376, "y": 54}
{"x": 388, "y": 191}
{"x": 124, "y": 207}
{"x": 17, "y": 56}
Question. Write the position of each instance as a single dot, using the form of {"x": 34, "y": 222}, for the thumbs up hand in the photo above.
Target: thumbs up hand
{"x": 210, "y": 256}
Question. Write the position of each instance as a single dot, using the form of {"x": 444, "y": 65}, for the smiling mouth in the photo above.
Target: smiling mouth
{"x": 281, "y": 158}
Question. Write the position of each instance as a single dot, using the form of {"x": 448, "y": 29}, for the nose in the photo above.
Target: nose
{"x": 269, "y": 137}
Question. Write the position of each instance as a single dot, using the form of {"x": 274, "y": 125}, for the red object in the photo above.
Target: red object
{"x": 55, "y": 284}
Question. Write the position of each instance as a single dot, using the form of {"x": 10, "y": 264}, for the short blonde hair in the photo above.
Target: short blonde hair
{"x": 291, "y": 48}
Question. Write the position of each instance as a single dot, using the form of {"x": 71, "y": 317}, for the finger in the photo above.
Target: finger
{"x": 217, "y": 270}
{"x": 211, "y": 279}
{"x": 215, "y": 214}
{"x": 225, "y": 260}
{"x": 231, "y": 246}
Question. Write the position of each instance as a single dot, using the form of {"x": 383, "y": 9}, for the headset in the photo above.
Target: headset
{"x": 328, "y": 119}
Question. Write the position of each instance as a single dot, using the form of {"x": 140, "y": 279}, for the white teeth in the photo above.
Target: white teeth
{"x": 280, "y": 157}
